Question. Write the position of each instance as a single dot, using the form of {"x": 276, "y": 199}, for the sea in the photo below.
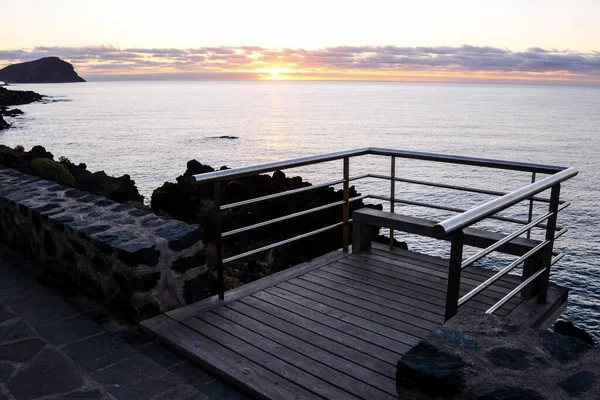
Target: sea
{"x": 150, "y": 130}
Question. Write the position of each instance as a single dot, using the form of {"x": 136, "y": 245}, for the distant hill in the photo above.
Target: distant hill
{"x": 44, "y": 70}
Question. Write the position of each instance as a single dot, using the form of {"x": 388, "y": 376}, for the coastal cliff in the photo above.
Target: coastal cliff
{"x": 44, "y": 70}
{"x": 14, "y": 98}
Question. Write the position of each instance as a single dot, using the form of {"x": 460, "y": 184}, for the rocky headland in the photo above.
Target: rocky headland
{"x": 9, "y": 98}
{"x": 44, "y": 70}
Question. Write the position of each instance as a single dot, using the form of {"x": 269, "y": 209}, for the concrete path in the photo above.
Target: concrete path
{"x": 56, "y": 344}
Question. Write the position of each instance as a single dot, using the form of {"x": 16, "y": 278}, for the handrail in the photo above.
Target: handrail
{"x": 477, "y": 214}
{"x": 417, "y": 155}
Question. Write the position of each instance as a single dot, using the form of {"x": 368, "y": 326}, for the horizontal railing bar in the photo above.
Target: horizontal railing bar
{"x": 445, "y": 208}
{"x": 291, "y": 192}
{"x": 454, "y": 187}
{"x": 476, "y": 214}
{"x": 277, "y": 165}
{"x": 290, "y": 216}
{"x": 561, "y": 232}
{"x": 513, "y": 292}
{"x": 557, "y": 258}
{"x": 286, "y": 241}
{"x": 501, "y": 273}
{"x": 446, "y": 158}
{"x": 505, "y": 240}
{"x": 465, "y": 160}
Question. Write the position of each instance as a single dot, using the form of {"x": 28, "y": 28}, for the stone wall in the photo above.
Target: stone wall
{"x": 134, "y": 262}
{"x": 485, "y": 357}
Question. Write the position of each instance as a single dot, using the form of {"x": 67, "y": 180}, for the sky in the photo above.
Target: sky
{"x": 436, "y": 40}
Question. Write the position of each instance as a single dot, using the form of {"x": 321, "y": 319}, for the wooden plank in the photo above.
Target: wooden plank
{"x": 478, "y": 274}
{"x": 429, "y": 293}
{"x": 333, "y": 322}
{"x": 212, "y": 302}
{"x": 420, "y": 226}
{"x": 419, "y": 320}
{"x": 302, "y": 324}
{"x": 322, "y": 340}
{"x": 233, "y": 369}
{"x": 362, "y": 288}
{"x": 408, "y": 305}
{"x": 399, "y": 266}
{"x": 321, "y": 380}
{"x": 303, "y": 345}
{"x": 491, "y": 295}
{"x": 343, "y": 311}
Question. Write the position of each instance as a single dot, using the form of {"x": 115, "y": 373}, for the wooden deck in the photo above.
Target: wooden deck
{"x": 332, "y": 328}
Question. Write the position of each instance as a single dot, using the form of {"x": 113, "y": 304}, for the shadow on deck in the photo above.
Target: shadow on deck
{"x": 334, "y": 327}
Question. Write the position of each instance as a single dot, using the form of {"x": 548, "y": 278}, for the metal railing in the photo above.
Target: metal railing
{"x": 539, "y": 257}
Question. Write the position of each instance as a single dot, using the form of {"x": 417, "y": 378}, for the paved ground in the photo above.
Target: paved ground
{"x": 55, "y": 344}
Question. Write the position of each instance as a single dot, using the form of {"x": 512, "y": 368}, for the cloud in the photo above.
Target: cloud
{"x": 342, "y": 60}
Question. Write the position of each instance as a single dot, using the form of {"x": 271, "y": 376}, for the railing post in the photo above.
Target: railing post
{"x": 219, "y": 239}
{"x": 530, "y": 207}
{"x": 547, "y": 253}
{"x": 346, "y": 208}
{"x": 392, "y": 196}
{"x": 454, "y": 270}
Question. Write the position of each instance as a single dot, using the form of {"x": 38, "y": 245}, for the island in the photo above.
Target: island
{"x": 44, "y": 70}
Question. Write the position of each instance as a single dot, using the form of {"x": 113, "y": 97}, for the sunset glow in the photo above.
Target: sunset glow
{"x": 431, "y": 40}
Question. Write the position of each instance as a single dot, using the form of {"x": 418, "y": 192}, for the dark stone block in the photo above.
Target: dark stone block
{"x": 75, "y": 193}
{"x": 88, "y": 199}
{"x": 133, "y": 337}
{"x": 136, "y": 378}
{"x": 505, "y": 357}
{"x": 23, "y": 210}
{"x": 36, "y": 219}
{"x": 138, "y": 252}
{"x": 191, "y": 374}
{"x": 44, "y": 311}
{"x": 5, "y": 315}
{"x": 153, "y": 222}
{"x": 159, "y": 354}
{"x": 22, "y": 350}
{"x": 78, "y": 247}
{"x": 564, "y": 348}
{"x": 578, "y": 383}
{"x": 197, "y": 288}
{"x": 15, "y": 331}
{"x": 139, "y": 212}
{"x": 56, "y": 188}
{"x": 49, "y": 245}
{"x": 97, "y": 215}
{"x": 459, "y": 339}
{"x": 100, "y": 265}
{"x": 91, "y": 230}
{"x": 105, "y": 203}
{"x": 145, "y": 282}
{"x": 48, "y": 374}
{"x": 431, "y": 371}
{"x": 63, "y": 220}
{"x": 511, "y": 393}
{"x": 6, "y": 371}
{"x": 180, "y": 235}
{"x": 216, "y": 389}
{"x": 125, "y": 221}
{"x": 21, "y": 294}
{"x": 121, "y": 207}
{"x": 183, "y": 264}
{"x": 183, "y": 392}
{"x": 114, "y": 238}
{"x": 97, "y": 352}
{"x": 68, "y": 331}
{"x": 45, "y": 208}
{"x": 93, "y": 394}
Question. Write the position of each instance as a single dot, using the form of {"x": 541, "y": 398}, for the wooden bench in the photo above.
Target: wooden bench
{"x": 364, "y": 219}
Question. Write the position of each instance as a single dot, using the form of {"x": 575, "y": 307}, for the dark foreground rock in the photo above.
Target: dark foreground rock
{"x": 44, "y": 70}
{"x": 566, "y": 328}
{"x": 485, "y": 357}
{"x": 193, "y": 203}
{"x": 3, "y": 123}
{"x": 40, "y": 162}
{"x": 14, "y": 98}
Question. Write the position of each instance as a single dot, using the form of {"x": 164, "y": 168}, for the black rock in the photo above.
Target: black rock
{"x": 566, "y": 328}
{"x": 3, "y": 123}
{"x": 44, "y": 70}
{"x": 505, "y": 357}
{"x": 431, "y": 371}
{"x": 578, "y": 383}
{"x": 511, "y": 393}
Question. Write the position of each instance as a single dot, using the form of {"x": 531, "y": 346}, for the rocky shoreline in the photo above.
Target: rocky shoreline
{"x": 10, "y": 98}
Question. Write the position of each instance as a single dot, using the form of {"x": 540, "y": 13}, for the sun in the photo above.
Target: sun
{"x": 274, "y": 73}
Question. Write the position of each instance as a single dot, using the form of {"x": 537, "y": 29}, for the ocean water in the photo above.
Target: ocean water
{"x": 149, "y": 130}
